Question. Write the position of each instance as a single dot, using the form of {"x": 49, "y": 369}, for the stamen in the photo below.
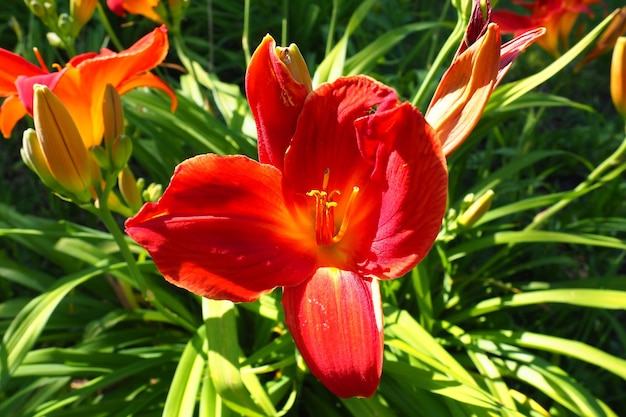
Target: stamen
{"x": 42, "y": 64}
{"x": 325, "y": 212}
{"x": 347, "y": 215}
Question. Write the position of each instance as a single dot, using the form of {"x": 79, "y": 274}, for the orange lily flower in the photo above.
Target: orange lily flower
{"x": 557, "y": 16}
{"x": 477, "y": 69}
{"x": 144, "y": 8}
{"x": 81, "y": 84}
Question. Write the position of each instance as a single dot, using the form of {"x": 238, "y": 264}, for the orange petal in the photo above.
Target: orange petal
{"x": 336, "y": 321}
{"x": 11, "y": 111}
{"x": 464, "y": 90}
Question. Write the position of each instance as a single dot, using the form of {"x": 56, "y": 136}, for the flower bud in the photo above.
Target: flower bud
{"x": 618, "y": 76}
{"x": 293, "y": 60}
{"x": 152, "y": 193}
{"x": 81, "y": 11}
{"x": 101, "y": 156}
{"x": 54, "y": 40}
{"x": 129, "y": 189}
{"x": 64, "y": 23}
{"x": 36, "y": 8}
{"x": 61, "y": 144}
{"x": 33, "y": 157}
{"x": 476, "y": 210}
{"x": 113, "y": 114}
{"x": 121, "y": 152}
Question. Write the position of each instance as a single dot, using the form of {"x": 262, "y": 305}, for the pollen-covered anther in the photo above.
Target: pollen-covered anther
{"x": 325, "y": 213}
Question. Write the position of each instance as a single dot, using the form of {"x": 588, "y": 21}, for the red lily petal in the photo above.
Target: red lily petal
{"x": 325, "y": 138}
{"x": 11, "y": 111}
{"x": 510, "y": 22}
{"x": 117, "y": 7}
{"x": 464, "y": 90}
{"x": 414, "y": 201}
{"x": 221, "y": 230}
{"x": 24, "y": 86}
{"x": 13, "y": 65}
{"x": 336, "y": 321}
{"x": 275, "y": 99}
{"x": 325, "y": 141}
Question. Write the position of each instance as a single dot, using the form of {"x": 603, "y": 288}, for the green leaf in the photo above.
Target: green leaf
{"x": 595, "y": 298}
{"x": 507, "y": 94}
{"x": 558, "y": 345}
{"x": 332, "y": 67}
{"x": 23, "y": 332}
{"x": 182, "y": 396}
{"x": 534, "y": 236}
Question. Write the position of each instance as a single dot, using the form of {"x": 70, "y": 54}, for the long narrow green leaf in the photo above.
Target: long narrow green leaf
{"x": 595, "y": 298}
{"x": 28, "y": 325}
{"x": 571, "y": 348}
{"x": 332, "y": 67}
{"x": 224, "y": 355}
{"x": 362, "y": 61}
{"x": 508, "y": 93}
{"x": 182, "y": 396}
{"x": 534, "y": 236}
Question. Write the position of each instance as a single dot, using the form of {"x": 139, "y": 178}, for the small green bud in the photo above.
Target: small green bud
{"x": 101, "y": 156}
{"x": 152, "y": 193}
{"x": 121, "y": 151}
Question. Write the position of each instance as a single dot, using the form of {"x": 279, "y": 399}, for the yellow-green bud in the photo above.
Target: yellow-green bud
{"x": 129, "y": 189}
{"x": 152, "y": 193}
{"x": 476, "y": 210}
{"x": 55, "y": 40}
{"x": 33, "y": 157}
{"x": 64, "y": 24}
{"x": 101, "y": 156}
{"x": 295, "y": 63}
{"x": 121, "y": 151}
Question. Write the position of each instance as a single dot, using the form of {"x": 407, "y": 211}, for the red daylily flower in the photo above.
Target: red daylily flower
{"x": 557, "y": 16}
{"x": 350, "y": 189}
{"x": 81, "y": 84}
{"x": 476, "y": 70}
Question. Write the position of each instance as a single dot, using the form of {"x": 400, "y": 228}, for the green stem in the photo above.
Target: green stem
{"x": 331, "y": 27}
{"x": 104, "y": 213}
{"x": 245, "y": 45}
{"x": 593, "y": 176}
{"x": 107, "y": 26}
{"x": 451, "y": 44}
